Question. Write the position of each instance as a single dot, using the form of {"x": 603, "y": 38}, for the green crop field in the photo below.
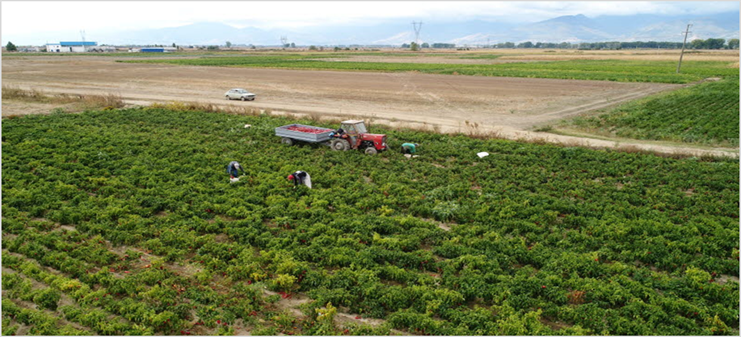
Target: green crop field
{"x": 707, "y": 113}
{"x": 604, "y": 70}
{"x": 123, "y": 222}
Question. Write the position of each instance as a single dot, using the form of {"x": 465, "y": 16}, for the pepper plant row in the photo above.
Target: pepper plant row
{"x": 533, "y": 239}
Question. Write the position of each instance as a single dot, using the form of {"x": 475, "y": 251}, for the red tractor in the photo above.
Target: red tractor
{"x": 352, "y": 134}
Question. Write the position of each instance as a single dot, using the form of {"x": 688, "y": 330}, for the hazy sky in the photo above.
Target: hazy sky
{"x": 33, "y": 19}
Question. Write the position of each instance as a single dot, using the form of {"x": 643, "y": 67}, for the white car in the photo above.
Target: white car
{"x": 240, "y": 94}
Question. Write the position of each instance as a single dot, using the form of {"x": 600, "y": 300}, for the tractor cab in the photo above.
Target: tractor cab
{"x": 354, "y": 127}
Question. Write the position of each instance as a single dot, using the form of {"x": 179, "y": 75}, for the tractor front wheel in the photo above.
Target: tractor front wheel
{"x": 371, "y": 150}
{"x": 340, "y": 145}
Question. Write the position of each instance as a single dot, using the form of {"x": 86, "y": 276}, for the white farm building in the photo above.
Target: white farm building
{"x": 70, "y": 47}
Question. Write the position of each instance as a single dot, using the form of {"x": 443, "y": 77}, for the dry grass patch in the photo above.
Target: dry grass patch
{"x": 21, "y": 94}
{"x": 474, "y": 130}
{"x": 75, "y": 102}
{"x": 206, "y": 107}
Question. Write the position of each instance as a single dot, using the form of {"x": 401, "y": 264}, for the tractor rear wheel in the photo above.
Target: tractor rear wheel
{"x": 371, "y": 150}
{"x": 340, "y": 145}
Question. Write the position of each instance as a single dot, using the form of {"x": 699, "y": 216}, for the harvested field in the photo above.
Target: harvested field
{"x": 447, "y": 101}
{"x": 485, "y": 106}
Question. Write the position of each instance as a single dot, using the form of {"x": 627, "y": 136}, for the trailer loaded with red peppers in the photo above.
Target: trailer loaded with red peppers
{"x": 352, "y": 134}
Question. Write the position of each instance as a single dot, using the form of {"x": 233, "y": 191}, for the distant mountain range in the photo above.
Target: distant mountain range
{"x": 573, "y": 29}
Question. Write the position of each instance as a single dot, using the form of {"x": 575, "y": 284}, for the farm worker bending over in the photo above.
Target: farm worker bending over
{"x": 300, "y": 177}
{"x": 409, "y": 148}
{"x": 232, "y": 169}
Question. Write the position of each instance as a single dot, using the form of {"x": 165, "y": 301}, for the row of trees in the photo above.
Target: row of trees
{"x": 714, "y": 44}
{"x": 694, "y": 44}
{"x": 416, "y": 46}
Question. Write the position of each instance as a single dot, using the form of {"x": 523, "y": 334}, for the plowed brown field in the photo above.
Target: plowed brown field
{"x": 436, "y": 99}
{"x": 509, "y": 106}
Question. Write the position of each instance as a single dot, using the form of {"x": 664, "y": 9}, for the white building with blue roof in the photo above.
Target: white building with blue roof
{"x": 70, "y": 47}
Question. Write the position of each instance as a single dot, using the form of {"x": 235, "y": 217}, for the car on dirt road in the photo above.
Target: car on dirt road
{"x": 240, "y": 94}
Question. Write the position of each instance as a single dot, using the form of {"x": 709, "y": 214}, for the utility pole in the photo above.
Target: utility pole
{"x": 686, "y": 32}
{"x": 416, "y": 31}
{"x": 82, "y": 33}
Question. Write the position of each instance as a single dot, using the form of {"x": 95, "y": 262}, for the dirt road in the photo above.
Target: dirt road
{"x": 510, "y": 106}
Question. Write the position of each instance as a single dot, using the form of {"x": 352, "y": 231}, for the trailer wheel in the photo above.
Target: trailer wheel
{"x": 340, "y": 145}
{"x": 371, "y": 151}
{"x": 287, "y": 141}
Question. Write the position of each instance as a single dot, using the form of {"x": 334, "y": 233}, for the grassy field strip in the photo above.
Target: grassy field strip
{"x": 606, "y": 70}
{"x": 706, "y": 114}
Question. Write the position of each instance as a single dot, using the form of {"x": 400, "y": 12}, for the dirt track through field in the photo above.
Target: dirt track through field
{"x": 507, "y": 106}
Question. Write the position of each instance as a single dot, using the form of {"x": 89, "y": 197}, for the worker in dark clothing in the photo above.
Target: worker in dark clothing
{"x": 339, "y": 132}
{"x": 300, "y": 177}
{"x": 233, "y": 169}
{"x": 409, "y": 148}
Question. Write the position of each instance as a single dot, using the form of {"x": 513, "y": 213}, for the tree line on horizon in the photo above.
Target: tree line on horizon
{"x": 710, "y": 43}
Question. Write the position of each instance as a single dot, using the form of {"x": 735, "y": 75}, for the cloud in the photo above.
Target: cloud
{"x": 39, "y": 20}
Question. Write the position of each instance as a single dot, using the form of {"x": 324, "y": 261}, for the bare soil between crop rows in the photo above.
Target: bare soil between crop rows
{"x": 507, "y": 107}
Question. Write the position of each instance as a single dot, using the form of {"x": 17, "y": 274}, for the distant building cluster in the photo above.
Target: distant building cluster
{"x": 92, "y": 47}
{"x": 77, "y": 47}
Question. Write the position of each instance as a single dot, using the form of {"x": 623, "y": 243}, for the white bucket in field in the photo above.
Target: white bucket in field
{"x": 233, "y": 180}
{"x": 482, "y": 154}
{"x": 307, "y": 181}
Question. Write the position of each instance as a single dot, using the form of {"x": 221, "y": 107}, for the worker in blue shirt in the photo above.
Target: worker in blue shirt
{"x": 233, "y": 168}
{"x": 339, "y": 132}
